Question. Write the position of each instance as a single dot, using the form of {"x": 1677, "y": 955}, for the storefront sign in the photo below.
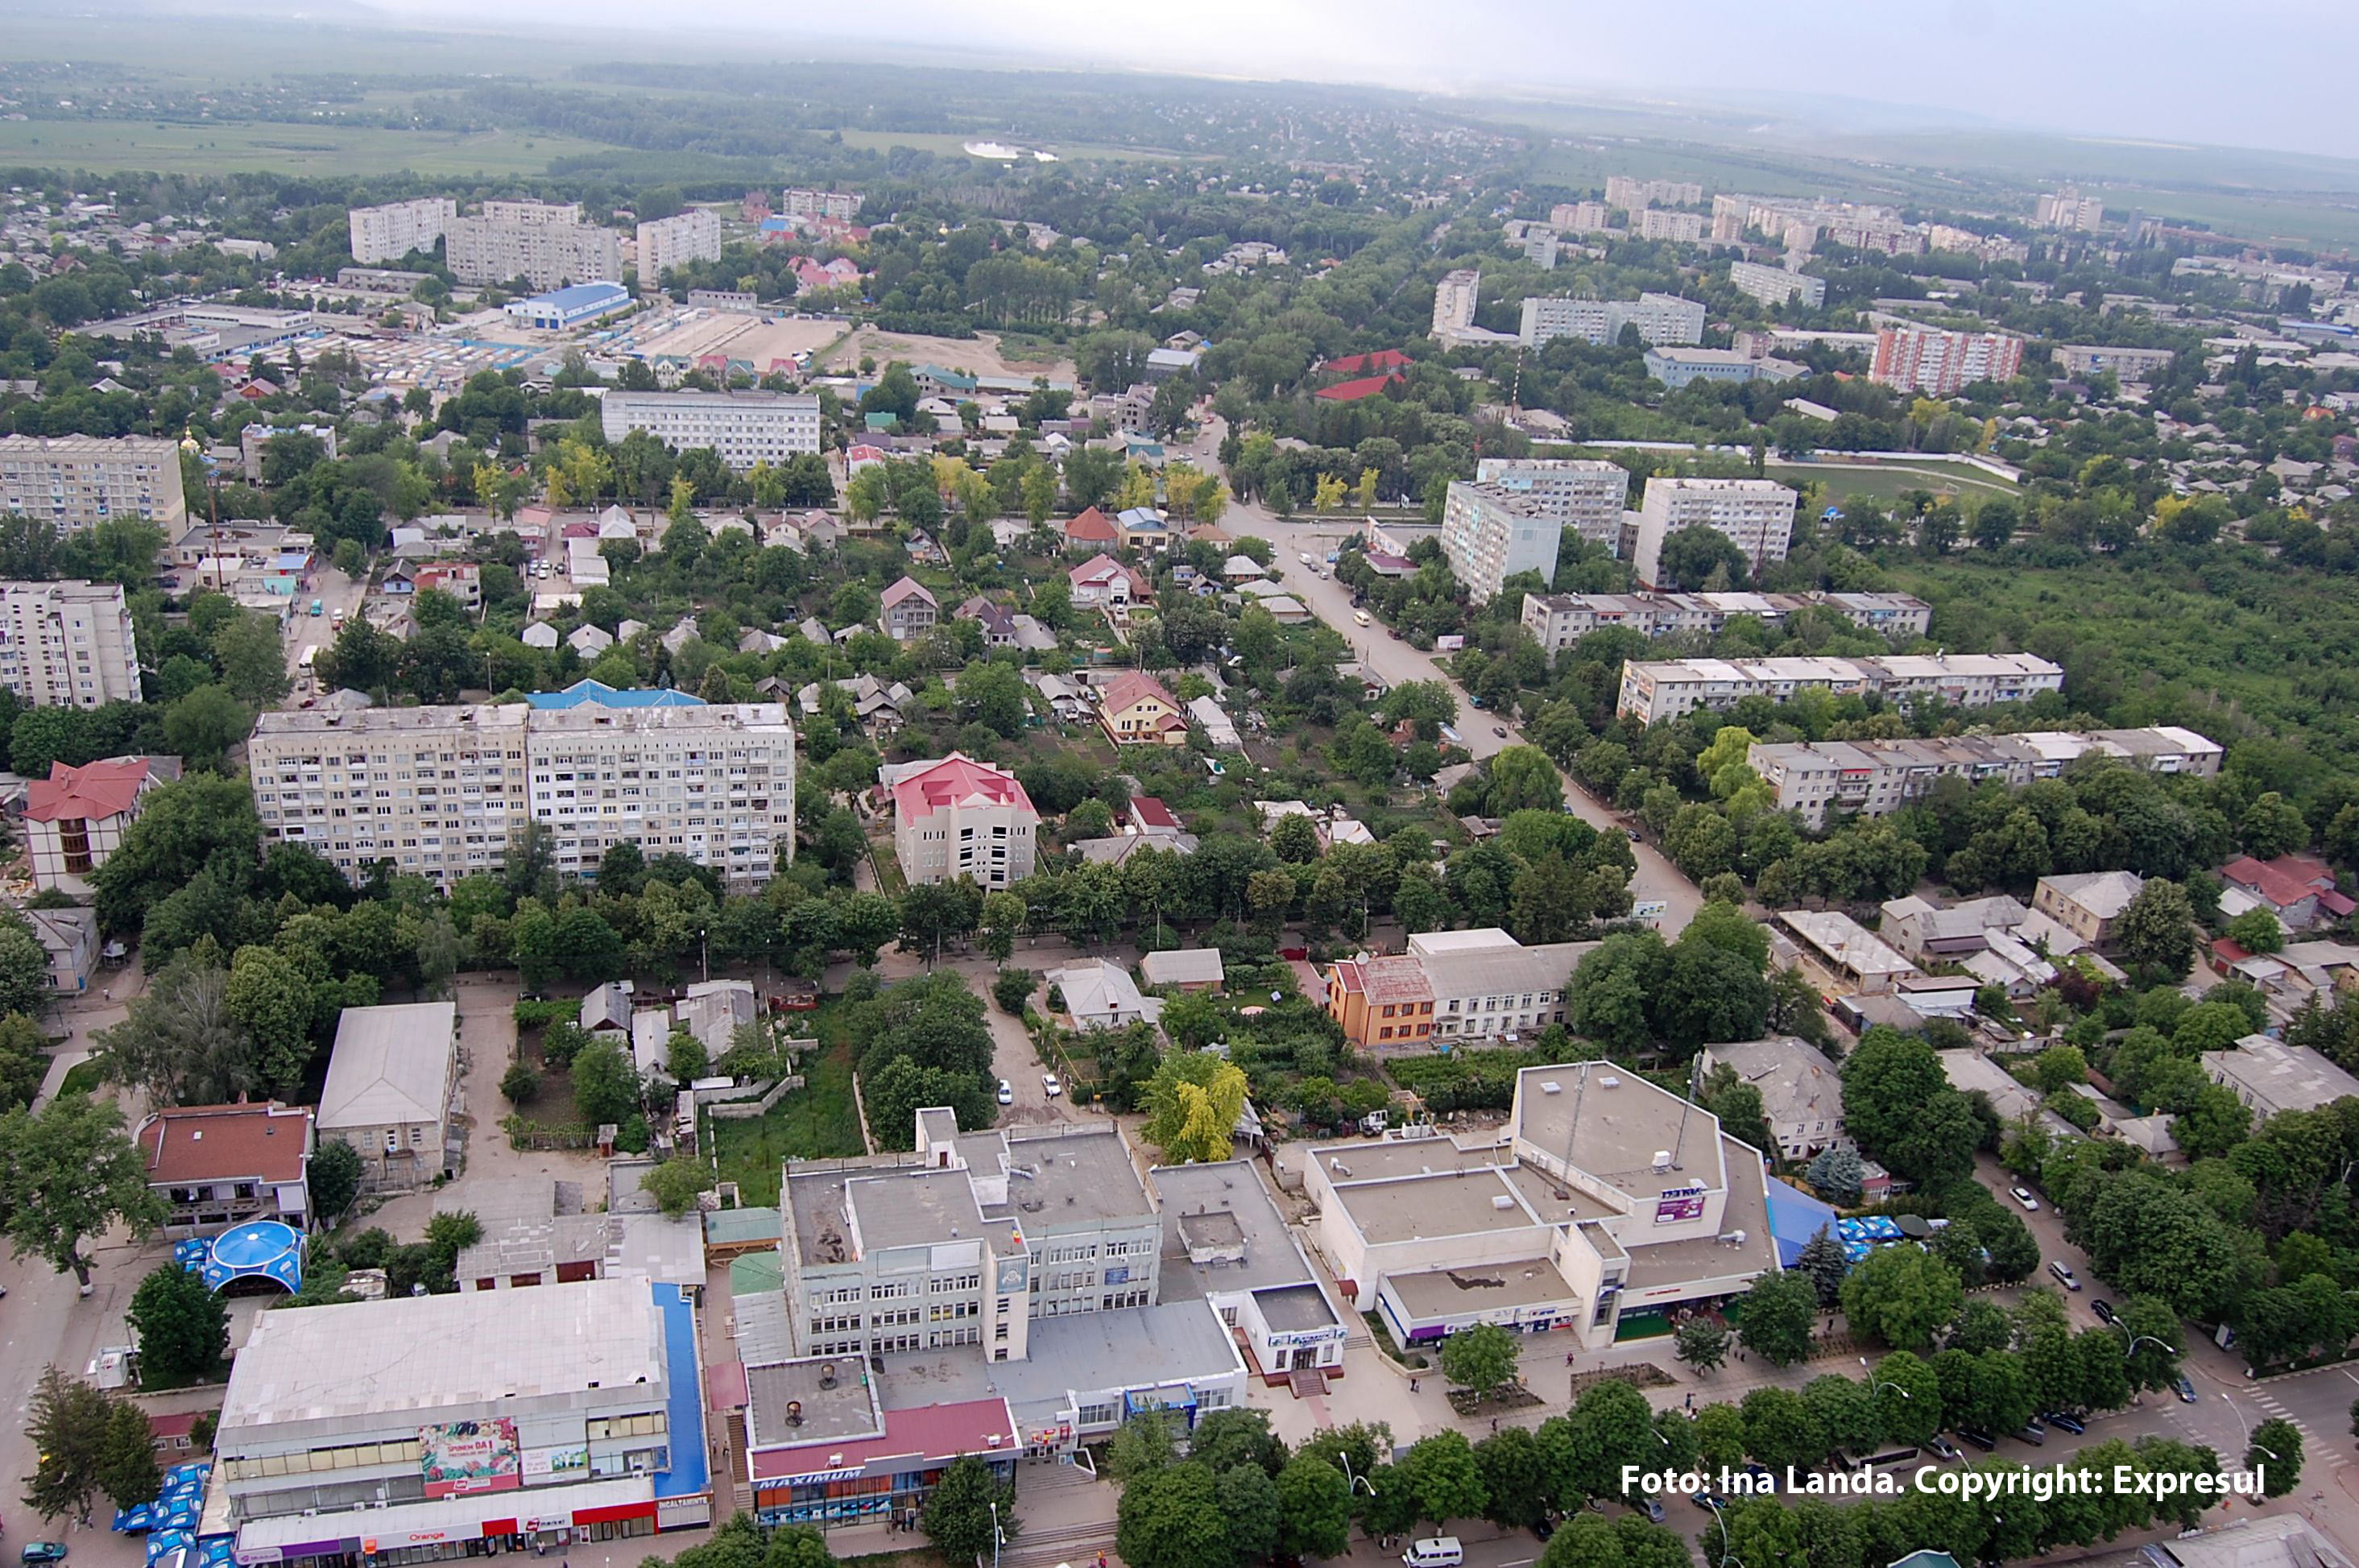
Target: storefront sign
{"x": 821, "y": 1477}
{"x": 555, "y": 1463}
{"x": 1306, "y": 1337}
{"x": 469, "y": 1456}
{"x": 538, "y": 1522}
{"x": 1678, "y": 1205}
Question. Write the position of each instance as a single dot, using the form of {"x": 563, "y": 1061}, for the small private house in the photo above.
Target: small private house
{"x": 1092, "y": 530}
{"x": 1102, "y": 582}
{"x": 2088, "y": 903}
{"x": 393, "y": 1077}
{"x": 1099, "y": 994}
{"x": 1184, "y": 969}
{"x": 218, "y": 1166}
{"x": 907, "y": 611}
{"x": 1135, "y": 710}
{"x": 70, "y": 938}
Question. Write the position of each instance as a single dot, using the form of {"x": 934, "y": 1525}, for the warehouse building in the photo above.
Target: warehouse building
{"x": 563, "y": 308}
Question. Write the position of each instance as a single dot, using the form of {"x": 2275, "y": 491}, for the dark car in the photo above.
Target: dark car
{"x": 1981, "y": 1440}
{"x": 1706, "y": 1500}
{"x": 1499, "y": 730}
{"x": 1764, "y": 1476}
{"x": 1631, "y": 834}
{"x": 43, "y": 1551}
{"x": 2104, "y": 1311}
{"x": 2071, "y": 1423}
{"x": 2186, "y": 1390}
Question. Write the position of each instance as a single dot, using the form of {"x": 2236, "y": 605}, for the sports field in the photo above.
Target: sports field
{"x": 105, "y": 146}
{"x": 1882, "y": 480}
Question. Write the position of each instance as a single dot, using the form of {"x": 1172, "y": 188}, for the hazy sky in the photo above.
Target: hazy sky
{"x": 2218, "y": 72}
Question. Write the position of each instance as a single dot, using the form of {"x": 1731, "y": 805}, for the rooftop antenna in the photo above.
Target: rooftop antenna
{"x": 1572, "y": 1124}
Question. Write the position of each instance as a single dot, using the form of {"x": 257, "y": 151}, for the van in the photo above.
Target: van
{"x": 1439, "y": 1552}
{"x": 1361, "y": 617}
{"x": 2064, "y": 1273}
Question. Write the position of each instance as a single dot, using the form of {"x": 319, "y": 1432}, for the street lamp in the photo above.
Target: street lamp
{"x": 1356, "y": 1479}
{"x": 998, "y": 1536}
{"x": 1877, "y": 1385}
{"x": 1726, "y": 1556}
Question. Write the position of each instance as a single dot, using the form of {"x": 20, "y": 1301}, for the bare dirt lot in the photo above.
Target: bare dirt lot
{"x": 979, "y": 354}
{"x": 738, "y": 336}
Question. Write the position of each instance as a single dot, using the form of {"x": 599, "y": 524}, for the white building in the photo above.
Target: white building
{"x": 78, "y": 482}
{"x": 715, "y": 783}
{"x": 76, "y": 817}
{"x": 546, "y": 244}
{"x": 1631, "y": 194}
{"x": 1557, "y": 621}
{"x": 68, "y": 645}
{"x": 2129, "y": 363}
{"x": 1801, "y": 1093}
{"x": 2070, "y": 210}
{"x": 2270, "y": 1076}
{"x": 1490, "y": 533}
{"x": 745, "y": 427}
{"x": 1578, "y": 217}
{"x": 393, "y": 231}
{"x": 1583, "y": 494}
{"x": 1775, "y": 284}
{"x": 1876, "y": 778}
{"x": 842, "y": 205}
{"x": 668, "y": 243}
{"x": 1665, "y": 690}
{"x": 393, "y": 1084}
{"x": 955, "y": 817}
{"x": 1756, "y": 515}
{"x": 1454, "y": 302}
{"x": 1681, "y": 228}
{"x": 1659, "y": 318}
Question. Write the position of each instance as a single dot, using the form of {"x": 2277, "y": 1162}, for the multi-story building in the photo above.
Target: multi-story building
{"x": 1585, "y": 494}
{"x": 1756, "y": 515}
{"x": 76, "y": 817}
{"x": 1775, "y": 284}
{"x": 744, "y": 427}
{"x": 1665, "y": 690}
{"x": 2129, "y": 363}
{"x": 2087, "y": 903}
{"x": 1966, "y": 242}
{"x": 2270, "y": 1077}
{"x": 1874, "y": 778}
{"x": 2070, "y": 210}
{"x": 1675, "y": 367}
{"x": 1450, "y": 985}
{"x": 218, "y": 1166}
{"x": 955, "y": 817}
{"x": 1489, "y": 533}
{"x": 1453, "y": 300}
{"x": 443, "y": 1427}
{"x": 78, "y": 482}
{"x": 1632, "y": 195}
{"x": 1801, "y": 1093}
{"x": 393, "y": 231}
{"x": 68, "y": 645}
{"x": 842, "y": 205}
{"x": 1659, "y": 318}
{"x": 1939, "y": 363}
{"x": 1133, "y": 709}
{"x": 1578, "y": 217}
{"x": 1681, "y": 228}
{"x": 715, "y": 783}
{"x": 668, "y": 243}
{"x": 546, "y": 244}
{"x": 908, "y": 610}
{"x": 253, "y": 440}
{"x": 1557, "y": 621}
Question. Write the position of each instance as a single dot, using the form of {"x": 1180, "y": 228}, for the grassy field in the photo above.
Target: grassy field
{"x": 816, "y": 1121}
{"x": 1839, "y": 482}
{"x": 174, "y": 149}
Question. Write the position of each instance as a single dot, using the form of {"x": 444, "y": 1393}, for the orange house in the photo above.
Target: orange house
{"x": 1383, "y": 1004}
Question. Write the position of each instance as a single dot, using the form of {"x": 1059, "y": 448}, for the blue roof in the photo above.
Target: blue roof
{"x": 605, "y": 696}
{"x": 566, "y": 299}
{"x": 683, "y": 1397}
{"x": 1794, "y": 1219}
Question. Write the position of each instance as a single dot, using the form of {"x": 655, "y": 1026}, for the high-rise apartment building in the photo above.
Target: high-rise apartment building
{"x": 2070, "y": 210}
{"x": 1490, "y": 533}
{"x": 393, "y": 231}
{"x": 1937, "y": 363}
{"x": 1585, "y": 494}
{"x": 1775, "y": 284}
{"x": 1756, "y": 515}
{"x": 745, "y": 427}
{"x": 441, "y": 791}
{"x": 1453, "y": 300}
{"x": 1682, "y": 228}
{"x": 546, "y": 244}
{"x": 78, "y": 482}
{"x": 1631, "y": 195}
{"x": 1659, "y": 318}
{"x": 68, "y": 645}
{"x": 668, "y": 243}
{"x": 1578, "y": 217}
{"x": 842, "y": 205}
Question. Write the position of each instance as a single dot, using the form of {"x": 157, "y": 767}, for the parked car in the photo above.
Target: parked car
{"x": 2103, "y": 1309}
{"x": 2023, "y": 1195}
{"x": 1499, "y": 730}
{"x": 1981, "y": 1440}
{"x": 1941, "y": 1447}
{"x": 1706, "y": 1500}
{"x": 2071, "y": 1423}
{"x": 2064, "y": 1273}
{"x": 43, "y": 1551}
{"x": 2034, "y": 1434}
{"x": 1049, "y": 1086}
{"x": 1006, "y": 1093}
{"x": 2186, "y": 1390}
{"x": 1654, "y": 1510}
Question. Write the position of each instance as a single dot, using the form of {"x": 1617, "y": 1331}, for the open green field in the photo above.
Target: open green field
{"x": 1839, "y": 482}
{"x": 105, "y": 146}
{"x": 814, "y": 1122}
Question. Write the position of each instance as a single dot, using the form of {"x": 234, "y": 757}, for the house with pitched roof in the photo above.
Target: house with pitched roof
{"x": 392, "y": 1076}
{"x": 70, "y": 938}
{"x": 1092, "y": 530}
{"x": 1102, "y": 582}
{"x": 1135, "y": 710}
{"x": 77, "y": 816}
{"x": 219, "y": 1166}
{"x": 2298, "y": 889}
{"x": 909, "y": 611}
{"x": 998, "y": 623}
{"x": 956, "y": 817}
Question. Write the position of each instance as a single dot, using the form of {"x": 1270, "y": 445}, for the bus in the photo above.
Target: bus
{"x": 311, "y": 658}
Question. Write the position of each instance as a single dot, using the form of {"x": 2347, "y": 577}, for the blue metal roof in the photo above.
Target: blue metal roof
{"x": 605, "y": 696}
{"x": 576, "y": 294}
{"x": 1794, "y": 1219}
{"x": 684, "y": 1397}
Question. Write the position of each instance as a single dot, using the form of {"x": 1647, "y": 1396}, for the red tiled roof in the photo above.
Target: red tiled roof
{"x": 1395, "y": 978}
{"x": 1360, "y": 364}
{"x": 865, "y": 453}
{"x": 93, "y": 791}
{"x": 1132, "y": 687}
{"x": 1152, "y": 812}
{"x": 211, "y": 1143}
{"x": 1091, "y": 527}
{"x": 932, "y": 1435}
{"x": 954, "y": 780}
{"x": 2283, "y": 882}
{"x": 1353, "y": 391}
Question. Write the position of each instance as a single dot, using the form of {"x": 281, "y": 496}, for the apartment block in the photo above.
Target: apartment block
{"x": 1939, "y": 363}
{"x": 1630, "y": 194}
{"x": 2070, "y": 210}
{"x": 1775, "y": 284}
{"x": 1453, "y": 300}
{"x": 715, "y": 783}
{"x": 1578, "y": 217}
{"x": 2129, "y": 363}
{"x": 1557, "y": 621}
{"x": 1586, "y": 494}
{"x": 840, "y": 205}
{"x": 745, "y": 427}
{"x": 78, "y": 482}
{"x": 1682, "y": 228}
{"x": 68, "y": 645}
{"x": 956, "y": 817}
{"x": 393, "y": 231}
{"x": 1756, "y": 515}
{"x": 1489, "y": 533}
{"x": 1453, "y": 985}
{"x": 1659, "y": 318}
{"x": 546, "y": 244}
{"x": 1966, "y": 242}
{"x": 1874, "y": 778}
{"x": 1665, "y": 690}
{"x": 668, "y": 243}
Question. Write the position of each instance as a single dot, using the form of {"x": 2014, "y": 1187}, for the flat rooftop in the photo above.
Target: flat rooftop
{"x": 1076, "y": 1177}
{"x": 1556, "y": 1202}
{"x": 1293, "y": 1308}
{"x": 916, "y": 1208}
{"x": 1492, "y": 1287}
{"x": 1373, "y": 1158}
{"x": 1223, "y": 1205}
{"x": 812, "y": 1400}
{"x": 1138, "y": 1347}
{"x": 1708, "y": 1257}
{"x": 1609, "y": 1123}
{"x": 1413, "y": 1208}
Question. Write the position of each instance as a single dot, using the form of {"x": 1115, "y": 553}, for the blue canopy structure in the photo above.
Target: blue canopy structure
{"x": 1794, "y": 1219}
{"x": 265, "y": 1249}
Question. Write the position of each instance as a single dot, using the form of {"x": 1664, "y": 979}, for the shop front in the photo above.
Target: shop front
{"x": 850, "y": 1481}
{"x": 448, "y": 1527}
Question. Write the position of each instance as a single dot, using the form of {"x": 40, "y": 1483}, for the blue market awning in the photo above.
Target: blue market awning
{"x": 265, "y": 1249}
{"x": 1794, "y": 1219}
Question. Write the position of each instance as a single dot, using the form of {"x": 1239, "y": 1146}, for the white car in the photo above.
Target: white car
{"x": 1006, "y": 1093}
{"x": 1049, "y": 1086}
{"x": 2023, "y": 1195}
{"x": 1304, "y": 556}
{"x": 2064, "y": 1275}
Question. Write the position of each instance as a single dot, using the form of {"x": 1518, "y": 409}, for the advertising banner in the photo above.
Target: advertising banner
{"x": 469, "y": 1456}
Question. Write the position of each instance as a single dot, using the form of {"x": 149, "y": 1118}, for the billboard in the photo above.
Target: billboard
{"x": 567, "y": 1463}
{"x": 469, "y": 1456}
{"x": 1678, "y": 1203}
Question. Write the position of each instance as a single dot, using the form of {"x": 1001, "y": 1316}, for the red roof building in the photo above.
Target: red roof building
{"x": 920, "y": 1441}
{"x": 1149, "y": 814}
{"x": 1135, "y": 710}
{"x": 1381, "y": 1002}
{"x": 2296, "y": 889}
{"x": 959, "y": 818}
{"x": 1353, "y": 391}
{"x": 77, "y": 816}
{"x": 218, "y": 1166}
{"x": 1363, "y": 364}
{"x": 1093, "y": 530}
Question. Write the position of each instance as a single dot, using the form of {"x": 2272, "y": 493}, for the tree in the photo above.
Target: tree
{"x": 606, "y": 1085}
{"x": 1775, "y": 1316}
{"x": 2271, "y": 826}
{"x": 70, "y": 1172}
{"x": 2157, "y": 931}
{"x": 1517, "y": 1477}
{"x": 1702, "y": 1344}
{"x": 24, "y": 1061}
{"x": 958, "y": 1516}
{"x": 1142, "y": 1445}
{"x": 1837, "y": 1175}
{"x": 182, "y": 1328}
{"x": 2276, "y": 1453}
{"x": 521, "y": 1084}
{"x": 273, "y": 1000}
{"x": 1314, "y": 1502}
{"x": 1521, "y": 778}
{"x": 1441, "y": 1479}
{"x": 66, "y": 1423}
{"x": 1192, "y": 1104}
{"x": 203, "y": 726}
{"x": 1822, "y": 1263}
{"x": 1248, "y": 1501}
{"x": 675, "y": 1185}
{"x": 1167, "y": 1518}
{"x": 126, "y": 1460}
{"x": 2257, "y": 930}
{"x": 24, "y": 967}
{"x": 335, "y": 1177}
{"x": 1482, "y": 1357}
{"x": 1902, "y": 1295}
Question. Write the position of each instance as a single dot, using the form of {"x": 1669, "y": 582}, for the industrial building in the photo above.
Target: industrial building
{"x": 744, "y": 427}
{"x": 78, "y": 482}
{"x": 561, "y": 309}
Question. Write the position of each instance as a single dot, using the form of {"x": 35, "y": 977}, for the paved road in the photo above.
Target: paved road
{"x": 335, "y": 592}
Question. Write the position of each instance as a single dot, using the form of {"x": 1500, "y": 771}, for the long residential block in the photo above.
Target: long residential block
{"x": 547, "y": 246}
{"x": 391, "y": 231}
{"x": 745, "y": 427}
{"x": 68, "y": 645}
{"x": 1874, "y": 778}
{"x": 78, "y": 482}
{"x": 1659, "y": 318}
{"x": 1939, "y": 363}
{"x": 1557, "y": 621}
{"x": 444, "y": 792}
{"x": 1654, "y": 690}
{"x": 1775, "y": 284}
{"x": 1756, "y": 515}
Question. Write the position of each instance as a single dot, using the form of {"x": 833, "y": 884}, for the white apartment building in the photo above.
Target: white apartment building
{"x": 1659, "y": 318}
{"x": 542, "y": 248}
{"x": 714, "y": 783}
{"x": 68, "y": 645}
{"x": 1682, "y": 228}
{"x": 1757, "y": 515}
{"x": 745, "y": 427}
{"x": 1631, "y": 194}
{"x": 1578, "y": 217}
{"x": 2129, "y": 363}
{"x": 1453, "y": 300}
{"x": 1489, "y": 534}
{"x": 2070, "y": 210}
{"x": 668, "y": 243}
{"x": 78, "y": 482}
{"x": 1557, "y": 621}
{"x": 1656, "y": 691}
{"x": 393, "y": 231}
{"x": 955, "y": 817}
{"x": 843, "y": 205}
{"x": 1775, "y": 284}
{"x": 1586, "y": 494}
{"x": 1874, "y": 778}
{"x": 536, "y": 213}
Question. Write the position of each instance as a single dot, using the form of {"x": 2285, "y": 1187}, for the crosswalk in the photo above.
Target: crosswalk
{"x": 2312, "y": 1448}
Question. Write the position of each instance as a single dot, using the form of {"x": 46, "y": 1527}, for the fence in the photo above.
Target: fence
{"x": 746, "y": 1110}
